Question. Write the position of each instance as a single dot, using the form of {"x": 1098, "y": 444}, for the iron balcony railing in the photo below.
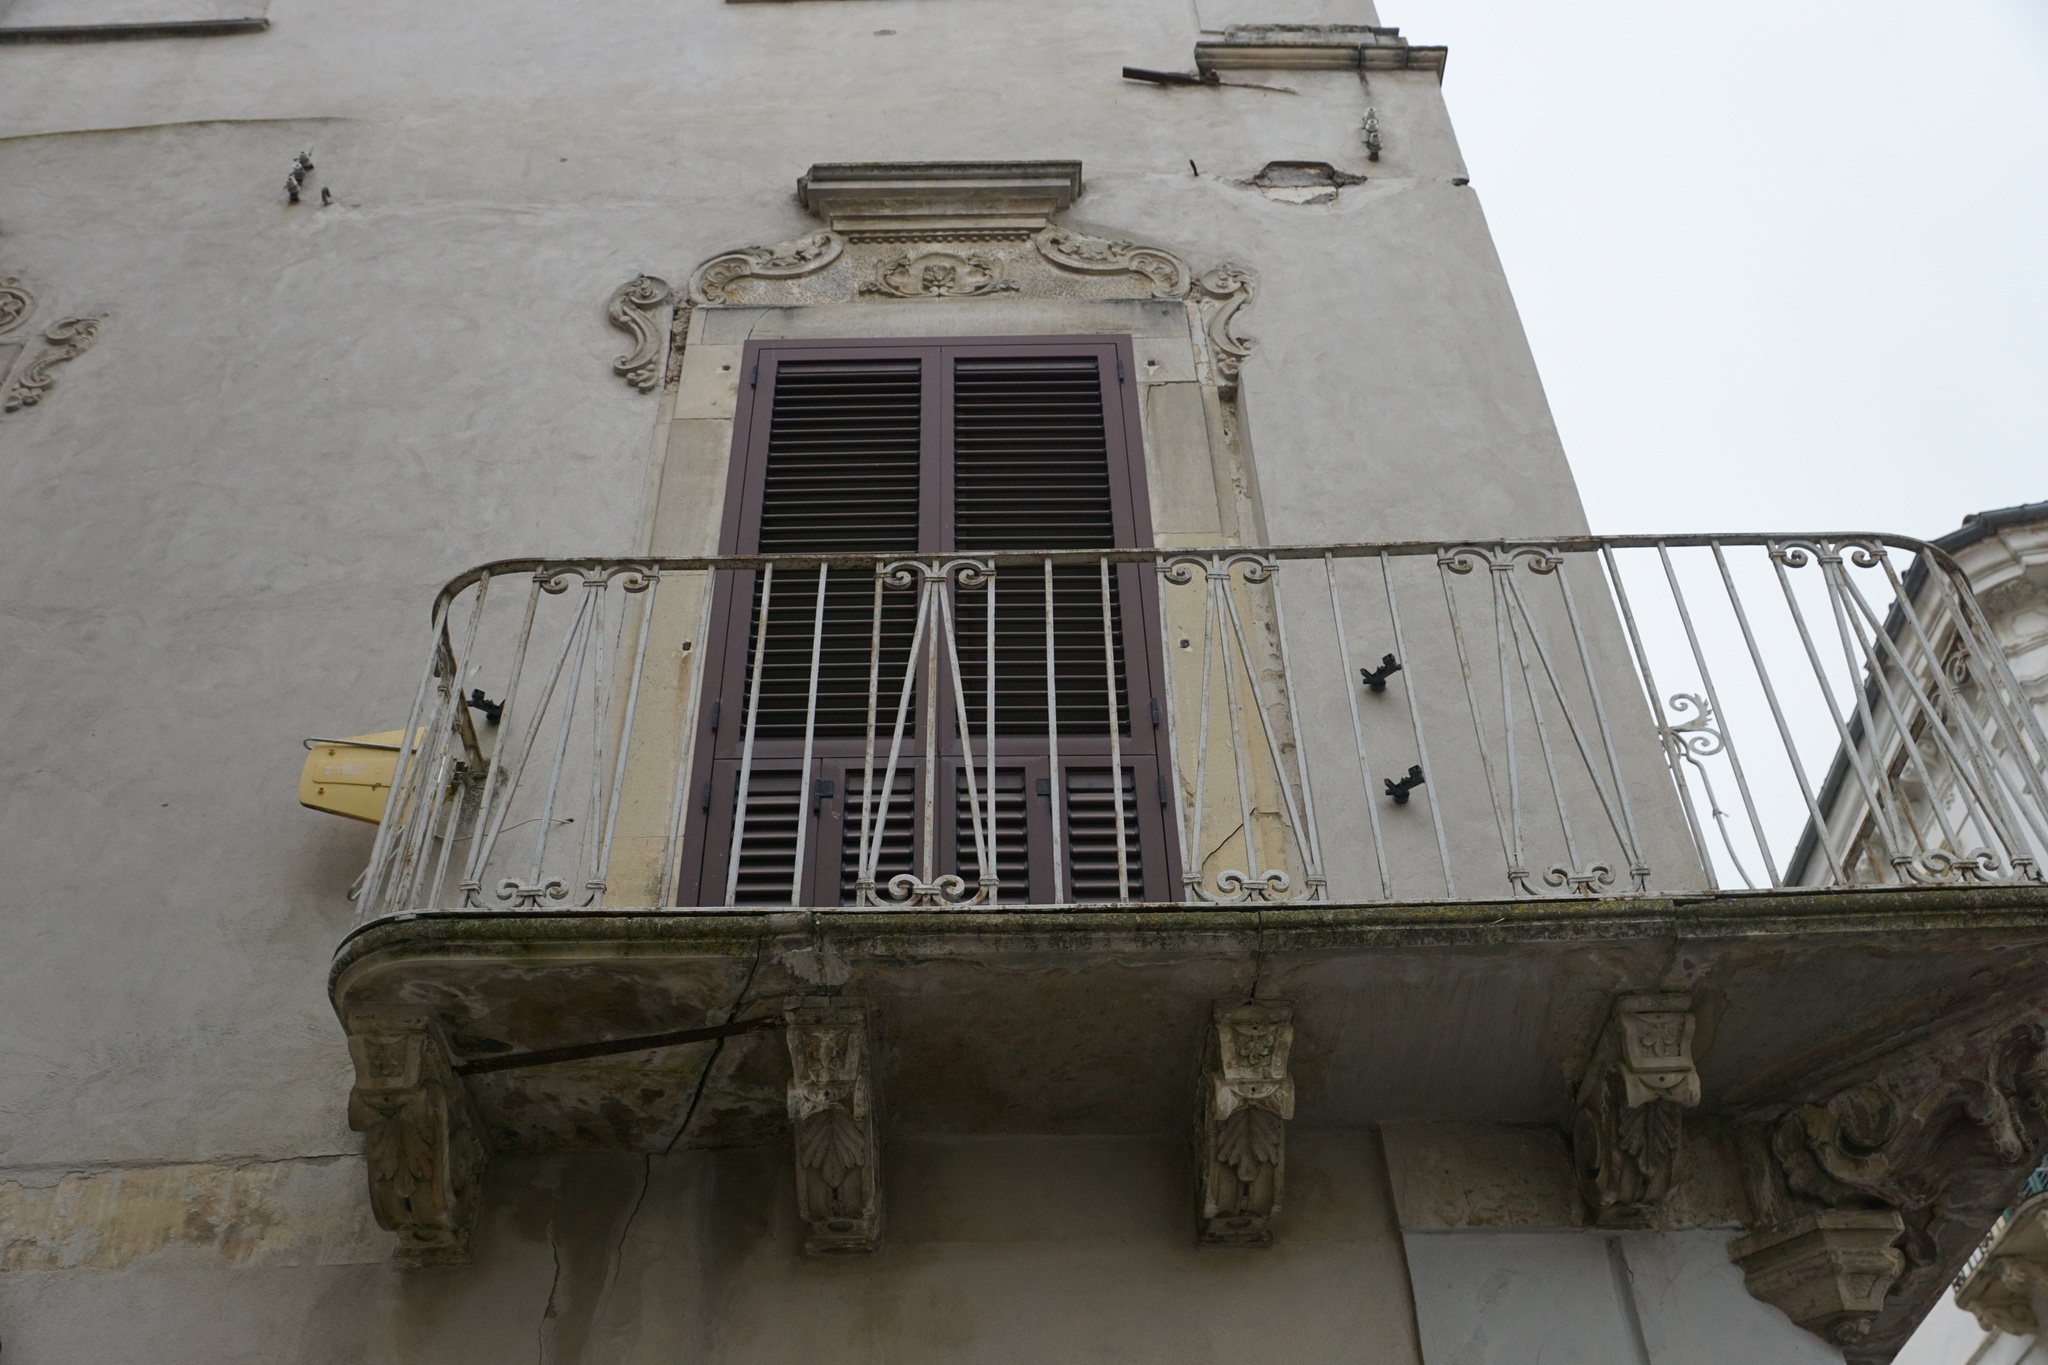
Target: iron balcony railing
{"x": 1412, "y": 722}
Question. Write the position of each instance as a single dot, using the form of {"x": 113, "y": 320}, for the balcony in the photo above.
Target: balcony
{"x": 1346, "y": 724}
{"x": 1746, "y": 828}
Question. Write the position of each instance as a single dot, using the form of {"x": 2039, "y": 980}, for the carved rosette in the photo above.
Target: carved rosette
{"x": 1247, "y": 1098}
{"x": 421, "y": 1138}
{"x": 937, "y": 275}
{"x": 635, "y": 308}
{"x": 62, "y": 341}
{"x": 805, "y": 255}
{"x": 1933, "y": 1138}
{"x": 1626, "y": 1127}
{"x": 833, "y": 1125}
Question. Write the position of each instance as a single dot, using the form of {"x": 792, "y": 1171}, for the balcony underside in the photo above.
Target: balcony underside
{"x": 1089, "y": 1022}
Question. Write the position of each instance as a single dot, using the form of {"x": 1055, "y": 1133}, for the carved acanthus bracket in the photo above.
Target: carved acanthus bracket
{"x": 790, "y": 260}
{"x": 1933, "y": 1137}
{"x": 1630, "y": 1105}
{"x": 1223, "y": 292}
{"x": 833, "y": 1123}
{"x": 421, "y": 1138}
{"x": 1247, "y": 1098}
{"x": 635, "y": 308}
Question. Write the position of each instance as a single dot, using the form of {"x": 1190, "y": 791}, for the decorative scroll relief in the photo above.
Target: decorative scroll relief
{"x": 421, "y": 1138}
{"x": 1247, "y": 1098}
{"x": 1630, "y": 1105}
{"x": 1931, "y": 1139}
{"x": 1222, "y": 293}
{"x": 938, "y": 274}
{"x": 1167, "y": 273}
{"x": 806, "y": 255}
{"x": 635, "y": 309}
{"x": 833, "y": 1124}
{"x": 62, "y": 341}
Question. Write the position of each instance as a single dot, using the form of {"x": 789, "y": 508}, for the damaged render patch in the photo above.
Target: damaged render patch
{"x": 1302, "y": 182}
{"x": 302, "y": 1211}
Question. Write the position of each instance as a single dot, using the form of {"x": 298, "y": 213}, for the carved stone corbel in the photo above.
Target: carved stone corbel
{"x": 805, "y": 255}
{"x": 1247, "y": 1098}
{"x": 635, "y": 308}
{"x": 2009, "y": 1287}
{"x": 833, "y": 1123}
{"x": 1630, "y": 1105}
{"x": 1828, "y": 1271}
{"x": 1928, "y": 1141}
{"x": 421, "y": 1137}
{"x": 62, "y": 341}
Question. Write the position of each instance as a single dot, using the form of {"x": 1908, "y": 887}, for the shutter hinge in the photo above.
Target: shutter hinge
{"x": 1155, "y": 713}
{"x": 1162, "y": 790}
{"x": 707, "y": 793}
{"x": 717, "y": 705}
{"x": 1119, "y": 369}
{"x": 754, "y": 379}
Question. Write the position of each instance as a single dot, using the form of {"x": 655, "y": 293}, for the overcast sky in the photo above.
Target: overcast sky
{"x": 1781, "y": 265}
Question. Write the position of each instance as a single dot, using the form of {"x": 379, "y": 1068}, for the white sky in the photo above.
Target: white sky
{"x": 1781, "y": 265}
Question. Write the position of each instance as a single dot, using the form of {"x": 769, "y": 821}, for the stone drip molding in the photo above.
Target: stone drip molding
{"x": 925, "y": 231}
{"x": 26, "y": 359}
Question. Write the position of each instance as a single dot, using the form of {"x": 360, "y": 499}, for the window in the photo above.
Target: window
{"x": 932, "y": 451}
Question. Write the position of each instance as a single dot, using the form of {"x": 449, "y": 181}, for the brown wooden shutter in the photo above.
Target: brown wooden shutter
{"x": 901, "y": 448}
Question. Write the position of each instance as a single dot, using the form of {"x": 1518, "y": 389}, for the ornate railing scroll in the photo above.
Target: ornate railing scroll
{"x": 1579, "y": 717}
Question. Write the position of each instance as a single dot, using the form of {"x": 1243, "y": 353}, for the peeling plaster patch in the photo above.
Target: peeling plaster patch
{"x": 305, "y": 1211}
{"x": 1302, "y": 182}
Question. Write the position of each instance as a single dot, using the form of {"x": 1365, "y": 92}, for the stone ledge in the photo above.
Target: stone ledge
{"x": 102, "y": 33}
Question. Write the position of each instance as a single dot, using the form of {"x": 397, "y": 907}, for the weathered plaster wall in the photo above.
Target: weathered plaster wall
{"x": 221, "y": 530}
{"x": 999, "y": 1250}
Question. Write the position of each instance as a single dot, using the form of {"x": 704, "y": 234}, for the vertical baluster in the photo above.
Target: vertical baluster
{"x": 991, "y": 873}
{"x": 1198, "y": 852}
{"x": 489, "y": 816}
{"x": 1666, "y": 737}
{"x": 1057, "y": 784}
{"x": 600, "y": 713}
{"x": 1996, "y": 780}
{"x": 871, "y": 853}
{"x": 547, "y": 812}
{"x": 671, "y": 889}
{"x": 1763, "y": 677}
{"x": 1436, "y": 815}
{"x": 1639, "y": 869}
{"x": 611, "y": 819}
{"x": 1511, "y": 849}
{"x": 1699, "y": 659}
{"x": 1504, "y": 582}
{"x": 739, "y": 812}
{"x": 369, "y": 899}
{"x": 1351, "y": 689}
{"x": 456, "y": 800}
{"x": 1852, "y": 750}
{"x": 983, "y": 840}
{"x": 804, "y": 779}
{"x": 1313, "y": 852}
{"x": 1116, "y": 747}
{"x": 934, "y": 593}
{"x": 1251, "y": 672}
{"x": 1219, "y": 580}
{"x": 864, "y": 874}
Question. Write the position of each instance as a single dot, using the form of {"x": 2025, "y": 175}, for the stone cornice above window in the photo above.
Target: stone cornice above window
{"x": 1313, "y": 47}
{"x": 937, "y": 200}
{"x": 85, "y": 21}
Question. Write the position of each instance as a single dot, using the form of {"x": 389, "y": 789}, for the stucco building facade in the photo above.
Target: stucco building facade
{"x": 1044, "y": 767}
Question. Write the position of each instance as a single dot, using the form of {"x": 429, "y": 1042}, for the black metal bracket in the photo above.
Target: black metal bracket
{"x": 494, "y": 711}
{"x": 1399, "y": 790}
{"x": 1375, "y": 679}
{"x": 612, "y": 1046}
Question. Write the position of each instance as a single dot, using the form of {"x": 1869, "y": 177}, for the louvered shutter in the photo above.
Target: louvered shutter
{"x": 896, "y": 449}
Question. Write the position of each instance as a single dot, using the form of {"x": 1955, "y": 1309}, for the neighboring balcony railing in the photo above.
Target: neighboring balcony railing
{"x": 1589, "y": 716}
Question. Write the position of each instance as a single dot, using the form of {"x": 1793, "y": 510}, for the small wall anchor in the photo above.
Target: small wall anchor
{"x": 295, "y": 179}
{"x": 494, "y": 711}
{"x": 1399, "y": 790}
{"x": 1376, "y": 678}
{"x": 1371, "y": 134}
